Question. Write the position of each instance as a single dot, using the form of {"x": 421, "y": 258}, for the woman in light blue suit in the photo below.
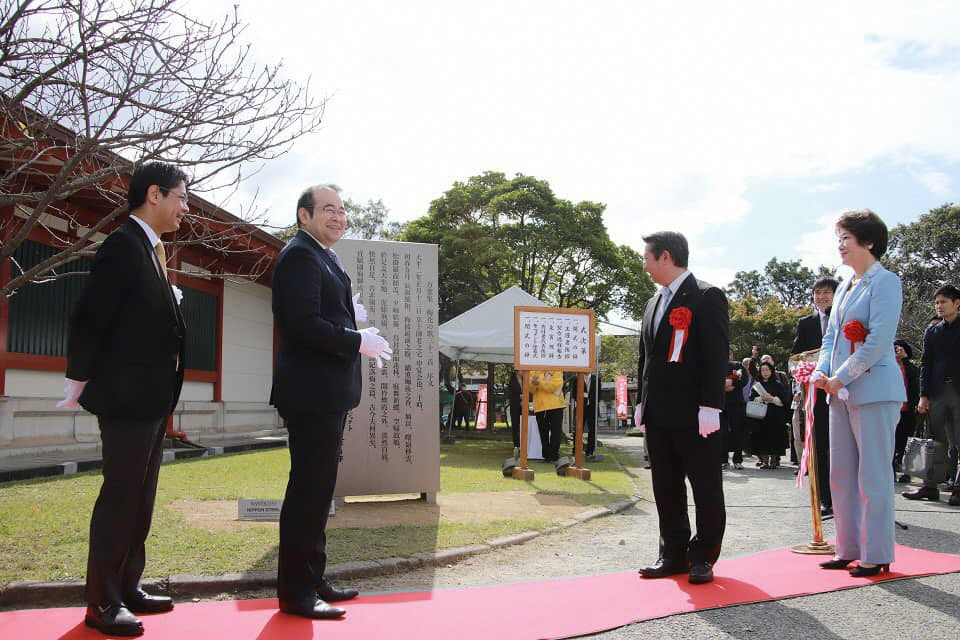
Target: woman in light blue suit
{"x": 859, "y": 371}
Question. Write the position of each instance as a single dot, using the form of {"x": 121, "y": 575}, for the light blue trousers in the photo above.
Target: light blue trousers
{"x": 861, "y": 478}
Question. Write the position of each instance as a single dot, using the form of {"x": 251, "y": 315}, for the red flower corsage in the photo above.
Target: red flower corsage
{"x": 680, "y": 321}
{"x": 680, "y": 318}
{"x": 855, "y": 332}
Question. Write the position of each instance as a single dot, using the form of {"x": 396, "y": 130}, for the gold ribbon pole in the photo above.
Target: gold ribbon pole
{"x": 817, "y": 546}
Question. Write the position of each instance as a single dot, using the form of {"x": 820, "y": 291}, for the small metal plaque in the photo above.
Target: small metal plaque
{"x": 269, "y": 510}
{"x": 254, "y": 509}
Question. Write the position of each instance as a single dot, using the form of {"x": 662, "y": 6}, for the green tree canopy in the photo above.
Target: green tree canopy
{"x": 618, "y": 357}
{"x": 926, "y": 255}
{"x": 495, "y": 232}
{"x": 771, "y": 326}
{"x": 789, "y": 281}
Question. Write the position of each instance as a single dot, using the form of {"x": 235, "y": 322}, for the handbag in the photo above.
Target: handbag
{"x": 923, "y": 456}
{"x": 756, "y": 409}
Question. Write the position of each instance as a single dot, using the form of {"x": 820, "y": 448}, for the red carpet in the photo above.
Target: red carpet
{"x": 597, "y": 603}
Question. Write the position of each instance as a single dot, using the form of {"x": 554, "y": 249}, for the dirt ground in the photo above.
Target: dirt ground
{"x": 218, "y": 515}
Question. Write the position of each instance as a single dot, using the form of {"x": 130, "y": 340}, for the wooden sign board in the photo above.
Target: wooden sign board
{"x": 547, "y": 338}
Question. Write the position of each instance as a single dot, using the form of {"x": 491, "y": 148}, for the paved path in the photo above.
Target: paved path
{"x": 764, "y": 511}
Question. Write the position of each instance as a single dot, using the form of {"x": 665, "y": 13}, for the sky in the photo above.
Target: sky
{"x": 747, "y": 126}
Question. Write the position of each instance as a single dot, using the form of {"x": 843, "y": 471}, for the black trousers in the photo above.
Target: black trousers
{"x": 677, "y": 452}
{"x": 905, "y": 429}
{"x": 550, "y": 426}
{"x": 515, "y": 418}
{"x": 590, "y": 426}
{"x": 314, "y": 444}
{"x": 731, "y": 430}
{"x": 132, "y": 452}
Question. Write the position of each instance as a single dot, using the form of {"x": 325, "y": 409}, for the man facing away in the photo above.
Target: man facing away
{"x": 316, "y": 382}
{"x": 125, "y": 365}
{"x": 684, "y": 343}
{"x": 940, "y": 388}
{"x": 810, "y": 330}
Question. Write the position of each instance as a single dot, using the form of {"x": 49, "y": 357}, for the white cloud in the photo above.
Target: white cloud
{"x": 665, "y": 111}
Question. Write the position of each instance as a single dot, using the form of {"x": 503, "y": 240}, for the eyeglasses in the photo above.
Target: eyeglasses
{"x": 182, "y": 196}
{"x": 330, "y": 210}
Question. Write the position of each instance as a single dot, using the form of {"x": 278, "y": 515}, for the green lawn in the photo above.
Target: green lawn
{"x": 43, "y": 523}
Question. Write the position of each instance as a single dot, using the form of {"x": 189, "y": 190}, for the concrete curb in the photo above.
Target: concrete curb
{"x": 187, "y": 586}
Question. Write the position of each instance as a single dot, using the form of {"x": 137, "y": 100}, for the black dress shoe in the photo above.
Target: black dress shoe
{"x": 836, "y": 563}
{"x": 113, "y": 620}
{"x": 954, "y": 500}
{"x": 311, "y": 608}
{"x": 903, "y": 479}
{"x": 330, "y": 593}
{"x": 663, "y": 569}
{"x": 861, "y": 571}
{"x": 143, "y": 602}
{"x": 700, "y": 573}
{"x": 923, "y": 493}
{"x": 826, "y": 511}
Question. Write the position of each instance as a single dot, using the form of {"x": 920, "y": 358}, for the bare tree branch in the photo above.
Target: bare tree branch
{"x": 88, "y": 87}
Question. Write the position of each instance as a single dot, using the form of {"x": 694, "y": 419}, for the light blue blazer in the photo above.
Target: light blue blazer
{"x": 871, "y": 374}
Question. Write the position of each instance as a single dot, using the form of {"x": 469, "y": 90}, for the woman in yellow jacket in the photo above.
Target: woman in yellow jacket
{"x": 548, "y": 404}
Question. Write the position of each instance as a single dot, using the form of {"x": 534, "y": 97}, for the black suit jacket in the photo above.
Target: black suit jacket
{"x": 674, "y": 389}
{"x": 809, "y": 334}
{"x": 940, "y": 358}
{"x": 318, "y": 359}
{"x": 126, "y": 332}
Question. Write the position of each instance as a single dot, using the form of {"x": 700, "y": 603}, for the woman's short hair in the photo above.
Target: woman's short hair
{"x": 869, "y": 230}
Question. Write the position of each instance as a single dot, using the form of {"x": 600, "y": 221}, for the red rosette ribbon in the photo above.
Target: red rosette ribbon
{"x": 855, "y": 332}
{"x": 680, "y": 321}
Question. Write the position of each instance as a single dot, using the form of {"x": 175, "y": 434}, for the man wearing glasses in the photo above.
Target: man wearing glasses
{"x": 125, "y": 365}
{"x": 316, "y": 382}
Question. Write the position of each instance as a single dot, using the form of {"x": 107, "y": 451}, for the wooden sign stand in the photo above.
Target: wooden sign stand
{"x": 587, "y": 364}
{"x": 522, "y": 472}
{"x": 576, "y": 470}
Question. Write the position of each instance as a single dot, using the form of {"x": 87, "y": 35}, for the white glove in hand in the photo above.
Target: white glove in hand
{"x": 709, "y": 419}
{"x": 72, "y": 390}
{"x": 636, "y": 418}
{"x": 374, "y": 346}
{"x": 359, "y": 311}
{"x": 817, "y": 375}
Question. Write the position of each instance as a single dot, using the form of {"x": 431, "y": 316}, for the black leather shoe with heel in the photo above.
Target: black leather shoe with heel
{"x": 836, "y": 563}
{"x": 861, "y": 571}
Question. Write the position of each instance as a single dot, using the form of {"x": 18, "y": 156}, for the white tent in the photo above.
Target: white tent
{"x": 485, "y": 333}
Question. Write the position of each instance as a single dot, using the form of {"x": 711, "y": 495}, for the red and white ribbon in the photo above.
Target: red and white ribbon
{"x": 802, "y": 374}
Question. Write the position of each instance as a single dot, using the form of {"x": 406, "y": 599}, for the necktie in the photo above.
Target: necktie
{"x": 335, "y": 258}
{"x": 824, "y": 318}
{"x": 162, "y": 257}
{"x": 665, "y": 295}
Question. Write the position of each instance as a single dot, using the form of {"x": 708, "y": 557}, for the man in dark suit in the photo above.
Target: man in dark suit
{"x": 125, "y": 365}
{"x": 940, "y": 390}
{"x": 732, "y": 417}
{"x": 684, "y": 343}
{"x": 810, "y": 330}
{"x": 316, "y": 382}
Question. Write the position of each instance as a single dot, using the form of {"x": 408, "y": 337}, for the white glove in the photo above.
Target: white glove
{"x": 374, "y": 346}
{"x": 709, "y": 419}
{"x": 72, "y": 390}
{"x": 636, "y": 417}
{"x": 843, "y": 394}
{"x": 359, "y": 311}
{"x": 817, "y": 375}
{"x": 177, "y": 293}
